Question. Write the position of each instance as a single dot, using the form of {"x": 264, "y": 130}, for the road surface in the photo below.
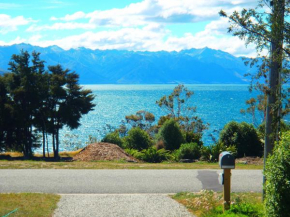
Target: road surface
{"x": 123, "y": 181}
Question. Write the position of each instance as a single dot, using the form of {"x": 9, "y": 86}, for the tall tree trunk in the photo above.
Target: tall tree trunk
{"x": 43, "y": 143}
{"x": 274, "y": 93}
{"x": 47, "y": 144}
{"x": 57, "y": 143}
{"x": 53, "y": 143}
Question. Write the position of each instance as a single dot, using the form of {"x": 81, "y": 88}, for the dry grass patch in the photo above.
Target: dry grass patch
{"x": 30, "y": 164}
{"x": 210, "y": 204}
{"x": 28, "y": 204}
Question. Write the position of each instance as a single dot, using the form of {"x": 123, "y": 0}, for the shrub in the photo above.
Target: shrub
{"x": 189, "y": 151}
{"x": 277, "y": 201}
{"x": 244, "y": 136}
{"x": 193, "y": 137}
{"x": 170, "y": 134}
{"x": 133, "y": 152}
{"x": 212, "y": 152}
{"x": 137, "y": 139}
{"x": 114, "y": 138}
{"x": 152, "y": 155}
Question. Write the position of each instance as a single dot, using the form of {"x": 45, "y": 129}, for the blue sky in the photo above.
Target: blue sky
{"x": 144, "y": 25}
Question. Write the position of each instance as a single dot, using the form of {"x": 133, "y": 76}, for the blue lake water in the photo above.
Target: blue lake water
{"x": 216, "y": 105}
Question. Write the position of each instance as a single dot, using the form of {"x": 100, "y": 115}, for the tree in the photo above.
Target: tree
{"x": 143, "y": 120}
{"x": 171, "y": 135}
{"x": 177, "y": 107}
{"x": 68, "y": 102}
{"x": 34, "y": 100}
{"x": 244, "y": 136}
{"x": 268, "y": 29}
{"x": 22, "y": 86}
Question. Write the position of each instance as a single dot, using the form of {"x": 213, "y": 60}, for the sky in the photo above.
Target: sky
{"x": 137, "y": 25}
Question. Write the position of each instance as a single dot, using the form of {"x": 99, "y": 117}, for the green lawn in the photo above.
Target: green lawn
{"x": 28, "y": 204}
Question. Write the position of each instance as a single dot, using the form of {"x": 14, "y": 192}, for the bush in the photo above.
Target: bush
{"x": 193, "y": 137}
{"x": 189, "y": 151}
{"x": 113, "y": 138}
{"x": 171, "y": 135}
{"x": 277, "y": 201}
{"x": 137, "y": 139}
{"x": 152, "y": 155}
{"x": 244, "y": 136}
{"x": 211, "y": 153}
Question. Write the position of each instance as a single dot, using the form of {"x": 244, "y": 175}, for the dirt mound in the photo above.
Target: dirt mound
{"x": 250, "y": 160}
{"x": 103, "y": 151}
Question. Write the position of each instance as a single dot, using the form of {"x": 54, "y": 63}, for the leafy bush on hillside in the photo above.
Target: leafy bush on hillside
{"x": 277, "y": 202}
{"x": 171, "y": 135}
{"x": 211, "y": 153}
{"x": 137, "y": 139}
{"x": 244, "y": 136}
{"x": 189, "y": 151}
{"x": 150, "y": 155}
{"x": 113, "y": 138}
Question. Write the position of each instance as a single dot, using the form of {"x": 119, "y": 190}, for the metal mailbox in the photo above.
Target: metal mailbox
{"x": 226, "y": 160}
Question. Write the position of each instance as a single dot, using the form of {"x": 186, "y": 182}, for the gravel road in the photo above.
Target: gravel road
{"x": 124, "y": 181}
{"x": 129, "y": 205}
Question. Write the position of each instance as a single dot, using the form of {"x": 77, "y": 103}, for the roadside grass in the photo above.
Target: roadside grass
{"x": 28, "y": 204}
{"x": 32, "y": 164}
{"x": 210, "y": 204}
{"x": 14, "y": 160}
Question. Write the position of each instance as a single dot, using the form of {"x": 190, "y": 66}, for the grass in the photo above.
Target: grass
{"x": 28, "y": 204}
{"x": 33, "y": 164}
{"x": 210, "y": 204}
{"x": 14, "y": 160}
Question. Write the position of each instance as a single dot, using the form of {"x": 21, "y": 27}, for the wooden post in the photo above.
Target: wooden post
{"x": 227, "y": 189}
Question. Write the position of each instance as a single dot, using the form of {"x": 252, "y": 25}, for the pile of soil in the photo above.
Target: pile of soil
{"x": 103, "y": 152}
{"x": 250, "y": 160}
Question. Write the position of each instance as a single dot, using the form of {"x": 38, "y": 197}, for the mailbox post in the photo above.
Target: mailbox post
{"x": 226, "y": 162}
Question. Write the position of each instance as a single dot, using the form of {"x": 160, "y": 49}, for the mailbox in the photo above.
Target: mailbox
{"x": 226, "y": 160}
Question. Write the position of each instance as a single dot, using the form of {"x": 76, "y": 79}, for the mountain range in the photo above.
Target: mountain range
{"x": 194, "y": 66}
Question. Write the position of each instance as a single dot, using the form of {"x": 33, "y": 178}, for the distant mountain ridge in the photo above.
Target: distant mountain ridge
{"x": 194, "y": 66}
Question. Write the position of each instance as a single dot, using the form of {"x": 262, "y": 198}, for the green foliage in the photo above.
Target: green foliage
{"x": 278, "y": 180}
{"x": 137, "y": 139}
{"x": 150, "y": 155}
{"x": 211, "y": 153}
{"x": 176, "y": 106}
{"x": 284, "y": 127}
{"x": 171, "y": 135}
{"x": 190, "y": 137}
{"x": 244, "y": 136}
{"x": 114, "y": 138}
{"x": 37, "y": 101}
{"x": 189, "y": 151}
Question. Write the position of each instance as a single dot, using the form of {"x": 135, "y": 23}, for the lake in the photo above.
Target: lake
{"x": 216, "y": 105}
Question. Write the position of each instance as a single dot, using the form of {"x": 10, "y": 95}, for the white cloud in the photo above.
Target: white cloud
{"x": 154, "y": 38}
{"x": 68, "y": 17}
{"x": 159, "y": 11}
{"x": 17, "y": 40}
{"x": 61, "y": 26}
{"x": 142, "y": 26}
{"x": 9, "y": 24}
